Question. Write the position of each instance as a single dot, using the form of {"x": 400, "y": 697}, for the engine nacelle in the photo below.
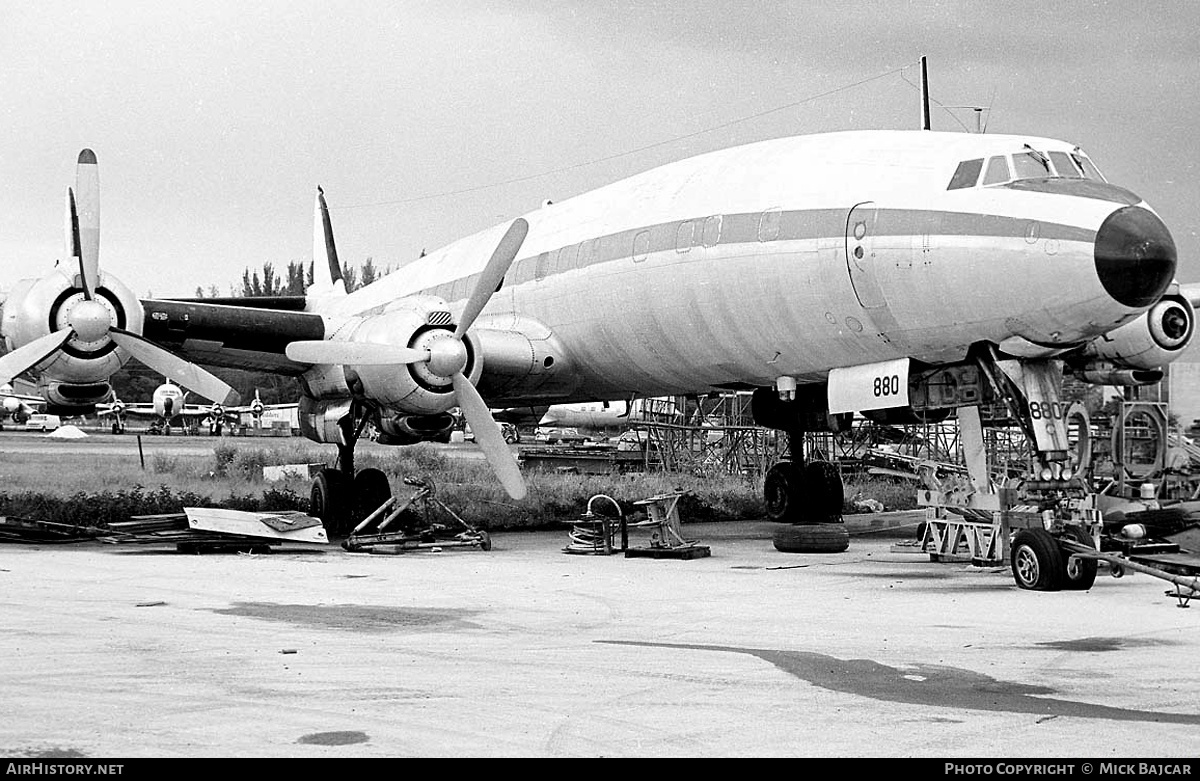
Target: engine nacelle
{"x": 323, "y": 420}
{"x": 37, "y": 307}
{"x": 72, "y": 397}
{"x": 410, "y": 429}
{"x": 424, "y": 387}
{"x": 1147, "y": 342}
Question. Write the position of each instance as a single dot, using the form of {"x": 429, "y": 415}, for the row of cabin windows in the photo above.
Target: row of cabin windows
{"x": 688, "y": 234}
{"x": 1023, "y": 165}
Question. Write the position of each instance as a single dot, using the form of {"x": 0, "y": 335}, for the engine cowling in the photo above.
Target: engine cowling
{"x": 1146, "y": 343}
{"x": 423, "y": 387}
{"x": 77, "y": 375}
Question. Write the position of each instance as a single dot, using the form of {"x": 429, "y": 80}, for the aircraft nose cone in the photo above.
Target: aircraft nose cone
{"x": 1135, "y": 256}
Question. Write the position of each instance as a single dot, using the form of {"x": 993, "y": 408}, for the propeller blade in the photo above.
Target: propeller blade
{"x": 168, "y": 364}
{"x": 74, "y": 250}
{"x": 488, "y": 436}
{"x": 493, "y": 274}
{"x": 87, "y": 202}
{"x": 27, "y": 356}
{"x": 353, "y": 353}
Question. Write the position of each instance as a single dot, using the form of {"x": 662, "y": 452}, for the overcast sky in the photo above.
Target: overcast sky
{"x": 214, "y": 122}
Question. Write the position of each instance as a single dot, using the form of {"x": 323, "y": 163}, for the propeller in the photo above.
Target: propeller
{"x": 91, "y": 321}
{"x": 446, "y": 358}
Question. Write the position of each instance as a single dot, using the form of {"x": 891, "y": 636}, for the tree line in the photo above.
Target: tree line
{"x": 294, "y": 280}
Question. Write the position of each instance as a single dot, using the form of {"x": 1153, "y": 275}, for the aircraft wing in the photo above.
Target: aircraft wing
{"x": 235, "y": 337}
{"x": 197, "y": 412}
{"x": 132, "y": 410}
{"x": 521, "y": 416}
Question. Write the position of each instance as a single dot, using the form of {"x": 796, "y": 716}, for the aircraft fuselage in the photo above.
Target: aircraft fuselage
{"x": 799, "y": 255}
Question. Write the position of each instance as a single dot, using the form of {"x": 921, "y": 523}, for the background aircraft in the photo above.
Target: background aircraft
{"x": 260, "y": 414}
{"x": 76, "y": 326}
{"x": 593, "y": 418}
{"x": 17, "y": 406}
{"x": 168, "y": 407}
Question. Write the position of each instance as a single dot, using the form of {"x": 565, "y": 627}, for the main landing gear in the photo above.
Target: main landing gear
{"x": 342, "y": 497}
{"x": 808, "y": 496}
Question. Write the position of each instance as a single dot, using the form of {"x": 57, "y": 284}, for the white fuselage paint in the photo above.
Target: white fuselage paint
{"x": 737, "y": 266}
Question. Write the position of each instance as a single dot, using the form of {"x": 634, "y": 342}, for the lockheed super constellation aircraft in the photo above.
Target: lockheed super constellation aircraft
{"x": 902, "y": 273}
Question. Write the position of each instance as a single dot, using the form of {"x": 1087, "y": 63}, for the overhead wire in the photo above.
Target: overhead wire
{"x": 627, "y": 153}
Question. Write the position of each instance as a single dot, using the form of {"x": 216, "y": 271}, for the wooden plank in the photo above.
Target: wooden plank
{"x": 250, "y": 524}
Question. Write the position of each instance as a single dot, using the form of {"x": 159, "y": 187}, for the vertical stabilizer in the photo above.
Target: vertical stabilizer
{"x": 327, "y": 271}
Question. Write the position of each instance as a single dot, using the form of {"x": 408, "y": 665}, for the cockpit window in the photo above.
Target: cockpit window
{"x": 1065, "y": 166}
{"x": 1089, "y": 170}
{"x": 997, "y": 170}
{"x": 1031, "y": 164}
{"x": 966, "y": 175}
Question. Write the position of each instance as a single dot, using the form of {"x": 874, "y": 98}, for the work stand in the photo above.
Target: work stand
{"x": 666, "y": 533}
{"x": 596, "y": 534}
{"x": 393, "y": 528}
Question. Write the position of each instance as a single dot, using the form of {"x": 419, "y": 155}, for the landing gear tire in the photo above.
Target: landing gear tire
{"x": 812, "y": 538}
{"x": 371, "y": 489}
{"x": 1037, "y": 561}
{"x": 327, "y": 501}
{"x": 824, "y": 491}
{"x": 782, "y": 490}
{"x": 1079, "y": 574}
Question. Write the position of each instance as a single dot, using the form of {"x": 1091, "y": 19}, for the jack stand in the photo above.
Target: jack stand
{"x": 666, "y": 537}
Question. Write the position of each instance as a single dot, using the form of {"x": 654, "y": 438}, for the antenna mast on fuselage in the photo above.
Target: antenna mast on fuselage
{"x": 924, "y": 94}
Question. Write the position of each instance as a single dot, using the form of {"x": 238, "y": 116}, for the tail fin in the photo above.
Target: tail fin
{"x": 327, "y": 271}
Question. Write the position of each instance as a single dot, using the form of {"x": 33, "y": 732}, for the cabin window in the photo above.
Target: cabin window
{"x": 567, "y": 258}
{"x": 683, "y": 236}
{"x": 768, "y": 225}
{"x": 543, "y": 265}
{"x": 966, "y": 175}
{"x": 641, "y": 246}
{"x": 1065, "y": 166}
{"x": 1031, "y": 165}
{"x": 997, "y": 170}
{"x": 587, "y": 253}
{"x": 712, "y": 231}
